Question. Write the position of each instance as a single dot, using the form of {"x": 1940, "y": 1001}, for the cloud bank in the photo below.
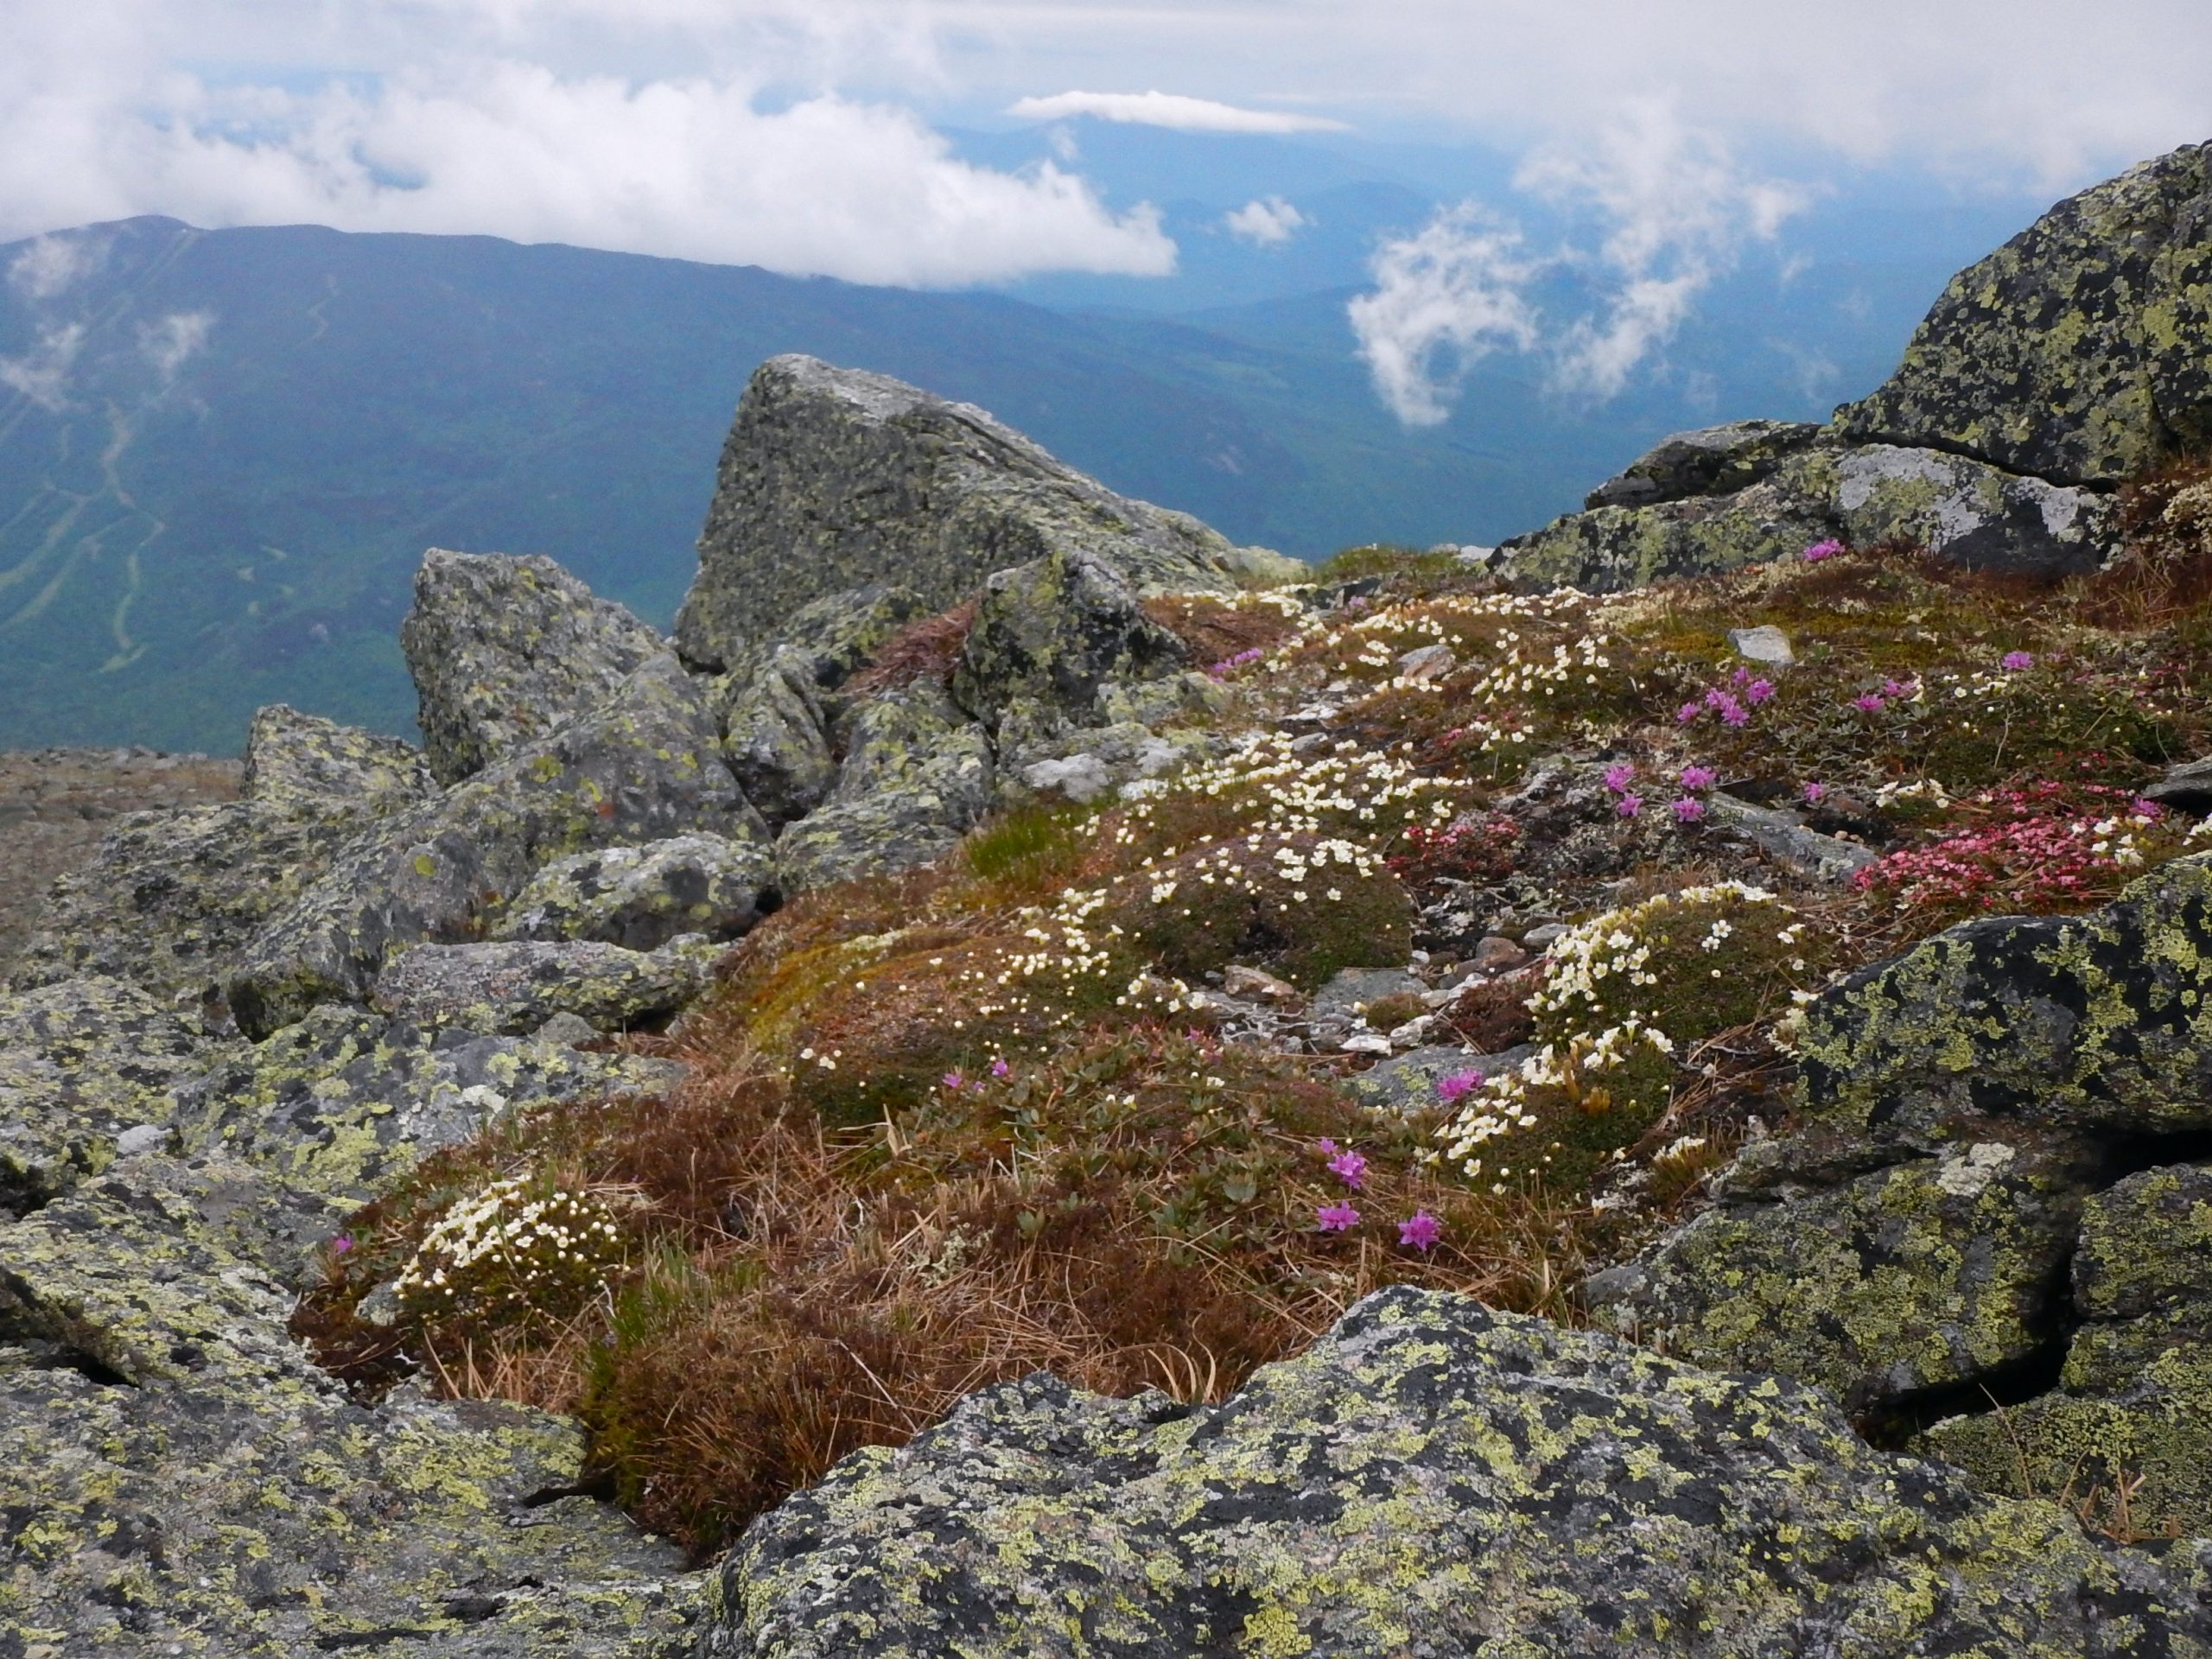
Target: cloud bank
{"x": 1673, "y": 209}
{"x": 1168, "y": 110}
{"x": 727, "y": 167}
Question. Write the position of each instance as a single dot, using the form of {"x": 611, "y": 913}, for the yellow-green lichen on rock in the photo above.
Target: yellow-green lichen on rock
{"x": 641, "y": 766}
{"x": 176, "y": 1479}
{"x": 1431, "y": 1478}
{"x": 2134, "y": 1409}
{"x": 2100, "y": 1022}
{"x": 82, "y": 1063}
{"x": 504, "y": 651}
{"x": 2078, "y": 351}
{"x": 834, "y": 478}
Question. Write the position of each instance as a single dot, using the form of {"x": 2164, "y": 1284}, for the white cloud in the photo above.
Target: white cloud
{"x": 168, "y": 345}
{"x": 48, "y": 265}
{"x": 42, "y": 374}
{"x": 1169, "y": 110}
{"x": 1444, "y": 299}
{"x": 1677, "y": 210}
{"x": 1673, "y": 209}
{"x": 1268, "y": 222}
{"x": 728, "y": 167}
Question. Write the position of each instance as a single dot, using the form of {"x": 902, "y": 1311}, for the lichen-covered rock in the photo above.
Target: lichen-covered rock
{"x": 1712, "y": 460}
{"x": 303, "y": 764}
{"x": 2134, "y": 1407}
{"x": 1922, "y": 1276}
{"x": 346, "y": 1101}
{"x": 1965, "y": 511}
{"x": 2097, "y": 1023}
{"x": 834, "y": 477}
{"x": 776, "y": 740}
{"x": 1613, "y": 549}
{"x": 81, "y": 1062}
{"x": 176, "y": 1478}
{"x": 504, "y": 650}
{"x": 644, "y": 765}
{"x": 170, "y": 900}
{"x": 642, "y": 897}
{"x": 837, "y": 635}
{"x": 1056, "y": 632}
{"x": 1969, "y": 512}
{"x": 1962, "y": 1106}
{"x": 1431, "y": 1479}
{"x": 516, "y": 987}
{"x": 916, "y": 778}
{"x": 2082, "y": 350}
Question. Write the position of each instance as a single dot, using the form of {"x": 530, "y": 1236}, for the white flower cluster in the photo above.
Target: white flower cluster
{"x": 1501, "y": 1105}
{"x": 1617, "y": 945}
{"x": 2118, "y": 838}
{"x": 1347, "y": 788}
{"x": 1919, "y": 789}
{"x": 504, "y": 1250}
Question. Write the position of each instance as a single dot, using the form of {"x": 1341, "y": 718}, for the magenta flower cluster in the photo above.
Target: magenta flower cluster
{"x": 1459, "y": 1084}
{"x": 1618, "y": 776}
{"x": 1733, "y": 702}
{"x": 1229, "y": 665}
{"x": 1819, "y": 551}
{"x": 1873, "y": 703}
{"x": 1420, "y": 1232}
{"x": 2014, "y": 661}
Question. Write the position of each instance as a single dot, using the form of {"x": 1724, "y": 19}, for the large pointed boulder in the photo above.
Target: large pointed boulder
{"x": 833, "y": 477}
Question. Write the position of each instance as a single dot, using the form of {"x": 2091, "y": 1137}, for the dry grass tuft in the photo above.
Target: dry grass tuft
{"x": 928, "y": 649}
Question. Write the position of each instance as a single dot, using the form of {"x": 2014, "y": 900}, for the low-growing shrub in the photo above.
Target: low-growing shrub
{"x": 1624, "y": 997}
{"x": 1304, "y": 905}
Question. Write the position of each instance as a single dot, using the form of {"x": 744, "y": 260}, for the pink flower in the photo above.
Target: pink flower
{"x": 1328, "y": 1147}
{"x": 1687, "y": 712}
{"x": 1459, "y": 1083}
{"x": 1819, "y": 551}
{"x": 1000, "y": 1068}
{"x": 1734, "y": 713}
{"x": 1815, "y": 793}
{"x": 1742, "y": 676}
{"x": 953, "y": 1080}
{"x": 340, "y": 1244}
{"x": 2016, "y": 660}
{"x": 1420, "y": 1233}
{"x": 1716, "y": 698}
{"x": 1695, "y": 778}
{"x": 1900, "y": 688}
{"x": 1869, "y": 702}
{"x": 1336, "y": 1217}
{"x": 1629, "y": 806}
{"x": 1760, "y": 690}
{"x": 1688, "y": 809}
{"x": 1350, "y": 1168}
{"x": 1616, "y": 775}
{"x": 2143, "y": 808}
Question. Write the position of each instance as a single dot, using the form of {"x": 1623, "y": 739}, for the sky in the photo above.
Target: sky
{"x": 811, "y": 136}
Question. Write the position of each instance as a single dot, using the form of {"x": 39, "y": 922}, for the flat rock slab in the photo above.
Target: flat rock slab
{"x": 175, "y": 1478}
{"x": 509, "y": 988}
{"x": 82, "y": 1065}
{"x": 1433, "y": 1478}
{"x": 343, "y": 1103}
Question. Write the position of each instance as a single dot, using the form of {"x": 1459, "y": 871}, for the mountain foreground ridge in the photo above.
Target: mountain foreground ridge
{"x": 1643, "y": 1089}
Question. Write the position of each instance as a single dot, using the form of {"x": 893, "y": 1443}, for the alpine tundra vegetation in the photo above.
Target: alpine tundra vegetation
{"x": 1038, "y": 1083}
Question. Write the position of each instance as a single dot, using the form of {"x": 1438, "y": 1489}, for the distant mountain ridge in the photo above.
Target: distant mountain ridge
{"x": 222, "y": 453}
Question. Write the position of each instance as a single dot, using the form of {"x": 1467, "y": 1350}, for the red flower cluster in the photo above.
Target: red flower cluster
{"x": 2047, "y": 847}
{"x": 1476, "y": 850}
